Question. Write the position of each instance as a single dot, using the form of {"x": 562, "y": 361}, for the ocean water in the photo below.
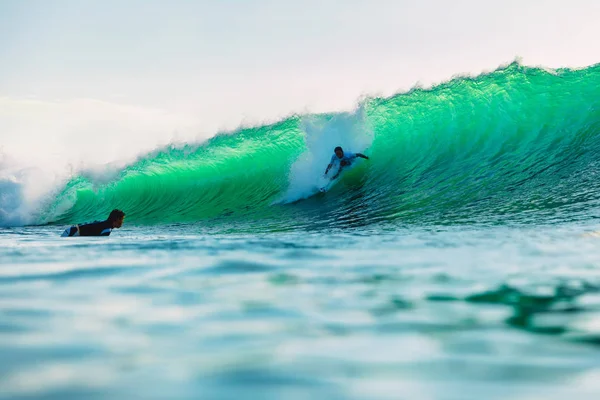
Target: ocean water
{"x": 460, "y": 262}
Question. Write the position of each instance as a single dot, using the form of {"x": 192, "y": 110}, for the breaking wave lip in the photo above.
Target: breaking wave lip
{"x": 517, "y": 143}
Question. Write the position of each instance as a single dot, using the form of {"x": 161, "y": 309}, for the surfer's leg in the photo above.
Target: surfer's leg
{"x": 337, "y": 174}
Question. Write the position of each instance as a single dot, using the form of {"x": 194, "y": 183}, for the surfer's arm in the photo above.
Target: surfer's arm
{"x": 362, "y": 156}
{"x": 328, "y": 168}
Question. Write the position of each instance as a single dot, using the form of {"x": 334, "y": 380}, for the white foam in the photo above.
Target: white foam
{"x": 43, "y": 144}
{"x": 20, "y": 189}
{"x": 323, "y": 134}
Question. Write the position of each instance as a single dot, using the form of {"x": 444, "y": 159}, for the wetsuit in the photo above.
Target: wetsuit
{"x": 98, "y": 228}
{"x": 345, "y": 161}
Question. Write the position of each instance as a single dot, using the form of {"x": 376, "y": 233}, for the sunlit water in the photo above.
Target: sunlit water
{"x": 174, "y": 312}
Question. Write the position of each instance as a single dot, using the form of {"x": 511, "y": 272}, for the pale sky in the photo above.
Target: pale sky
{"x": 209, "y": 65}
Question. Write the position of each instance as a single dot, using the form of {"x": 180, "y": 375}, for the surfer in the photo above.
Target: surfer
{"x": 99, "y": 228}
{"x": 344, "y": 159}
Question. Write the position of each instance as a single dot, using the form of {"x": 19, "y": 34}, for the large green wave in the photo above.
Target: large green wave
{"x": 519, "y": 143}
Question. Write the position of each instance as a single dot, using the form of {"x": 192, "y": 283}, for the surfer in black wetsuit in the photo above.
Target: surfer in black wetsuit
{"x": 98, "y": 228}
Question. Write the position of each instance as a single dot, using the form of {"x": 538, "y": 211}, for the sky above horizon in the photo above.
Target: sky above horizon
{"x": 208, "y": 65}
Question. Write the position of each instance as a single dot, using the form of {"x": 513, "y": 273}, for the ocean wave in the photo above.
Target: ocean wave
{"x": 516, "y": 143}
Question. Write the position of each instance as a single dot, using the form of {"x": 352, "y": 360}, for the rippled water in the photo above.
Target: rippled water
{"x": 174, "y": 312}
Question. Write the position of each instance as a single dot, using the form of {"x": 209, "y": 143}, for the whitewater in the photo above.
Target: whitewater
{"x": 459, "y": 262}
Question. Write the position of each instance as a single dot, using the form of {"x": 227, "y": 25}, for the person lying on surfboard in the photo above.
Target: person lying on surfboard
{"x": 102, "y": 228}
{"x": 344, "y": 160}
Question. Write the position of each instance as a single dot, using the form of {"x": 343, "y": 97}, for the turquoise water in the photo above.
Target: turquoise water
{"x": 499, "y": 146}
{"x": 460, "y": 262}
{"x": 419, "y": 313}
